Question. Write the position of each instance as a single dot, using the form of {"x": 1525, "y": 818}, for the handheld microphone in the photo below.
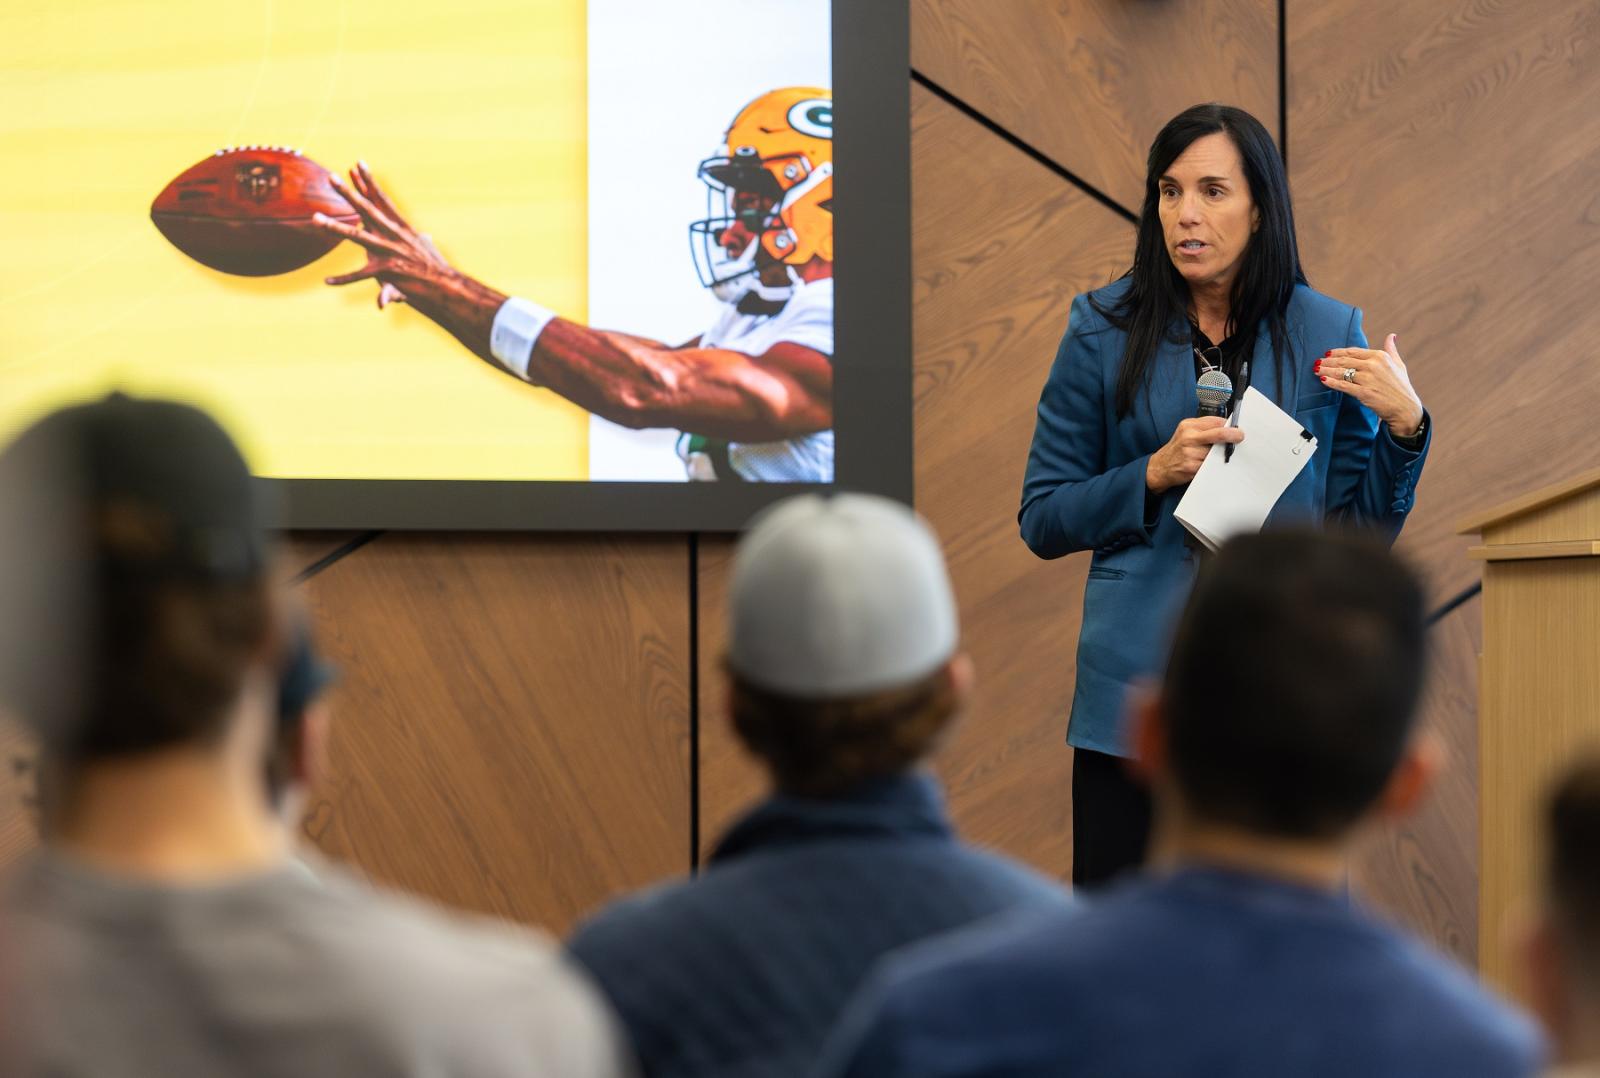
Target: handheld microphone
{"x": 1212, "y": 390}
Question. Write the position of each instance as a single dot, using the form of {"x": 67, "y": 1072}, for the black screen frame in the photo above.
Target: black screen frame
{"x": 873, "y": 362}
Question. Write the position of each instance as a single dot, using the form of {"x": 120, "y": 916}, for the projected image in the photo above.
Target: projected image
{"x": 751, "y": 396}
{"x": 753, "y": 392}
{"x": 539, "y": 243}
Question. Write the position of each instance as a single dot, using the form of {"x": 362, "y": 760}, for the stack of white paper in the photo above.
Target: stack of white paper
{"x": 1230, "y": 497}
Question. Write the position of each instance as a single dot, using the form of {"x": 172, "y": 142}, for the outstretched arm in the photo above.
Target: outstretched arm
{"x": 785, "y": 392}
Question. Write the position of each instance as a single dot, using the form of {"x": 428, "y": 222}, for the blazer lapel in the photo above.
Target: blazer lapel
{"x": 1264, "y": 370}
{"x": 1171, "y": 395}
{"x": 1264, "y": 373}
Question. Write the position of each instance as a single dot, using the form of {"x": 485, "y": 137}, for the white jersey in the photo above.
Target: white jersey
{"x": 807, "y": 320}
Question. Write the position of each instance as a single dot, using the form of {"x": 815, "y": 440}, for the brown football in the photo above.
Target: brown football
{"x": 247, "y": 210}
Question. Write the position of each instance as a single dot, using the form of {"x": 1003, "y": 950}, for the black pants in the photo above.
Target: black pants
{"x": 1110, "y": 819}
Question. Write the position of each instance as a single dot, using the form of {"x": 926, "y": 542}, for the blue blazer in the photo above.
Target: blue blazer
{"x": 1085, "y": 484}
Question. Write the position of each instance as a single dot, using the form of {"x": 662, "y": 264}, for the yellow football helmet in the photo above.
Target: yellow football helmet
{"x": 780, "y": 148}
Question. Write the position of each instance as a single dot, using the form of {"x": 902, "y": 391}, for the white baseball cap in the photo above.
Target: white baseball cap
{"x": 839, "y": 595}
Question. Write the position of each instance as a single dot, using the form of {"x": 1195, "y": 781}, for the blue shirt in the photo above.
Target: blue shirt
{"x": 1201, "y": 973}
{"x": 744, "y": 970}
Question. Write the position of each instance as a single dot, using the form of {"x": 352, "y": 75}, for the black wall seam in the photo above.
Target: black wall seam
{"x": 333, "y": 557}
{"x": 694, "y": 703}
{"x": 1026, "y": 147}
{"x": 1448, "y": 607}
{"x": 1283, "y": 82}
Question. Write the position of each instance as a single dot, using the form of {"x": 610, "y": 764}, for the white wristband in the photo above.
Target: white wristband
{"x": 517, "y": 325}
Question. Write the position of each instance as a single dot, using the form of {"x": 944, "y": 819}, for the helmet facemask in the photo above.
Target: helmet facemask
{"x": 731, "y": 276}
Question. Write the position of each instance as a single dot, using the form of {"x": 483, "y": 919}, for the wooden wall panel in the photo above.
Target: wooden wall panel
{"x": 1443, "y": 177}
{"x": 1423, "y": 872}
{"x": 1090, "y": 82}
{"x": 511, "y": 728}
{"x": 1442, "y": 158}
{"x": 1000, "y": 246}
{"x": 19, "y": 831}
{"x": 730, "y": 780}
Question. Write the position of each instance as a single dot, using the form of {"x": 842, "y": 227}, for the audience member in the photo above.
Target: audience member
{"x": 163, "y": 929}
{"x": 843, "y": 674}
{"x": 1284, "y": 724}
{"x": 1561, "y": 955}
{"x": 299, "y": 736}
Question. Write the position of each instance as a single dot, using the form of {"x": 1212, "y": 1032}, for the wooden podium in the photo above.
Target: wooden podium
{"x": 1538, "y": 684}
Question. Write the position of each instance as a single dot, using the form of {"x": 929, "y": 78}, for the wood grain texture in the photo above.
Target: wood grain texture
{"x": 1575, "y": 518}
{"x": 1090, "y": 82}
{"x": 511, "y": 727}
{"x": 1441, "y": 159}
{"x": 1578, "y": 548}
{"x": 1560, "y": 495}
{"x": 730, "y": 779}
{"x": 1422, "y": 872}
{"x": 1000, "y": 246}
{"x": 1442, "y": 174}
{"x": 1540, "y": 711}
{"x": 19, "y": 823}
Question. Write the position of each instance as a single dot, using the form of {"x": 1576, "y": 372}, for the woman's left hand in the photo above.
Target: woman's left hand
{"x": 1380, "y": 382}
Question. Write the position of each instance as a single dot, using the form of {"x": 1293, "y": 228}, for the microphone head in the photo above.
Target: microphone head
{"x": 1213, "y": 390}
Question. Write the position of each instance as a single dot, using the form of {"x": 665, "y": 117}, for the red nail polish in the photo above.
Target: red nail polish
{"x": 1323, "y": 378}
{"x": 1317, "y": 366}
{"x": 1328, "y": 353}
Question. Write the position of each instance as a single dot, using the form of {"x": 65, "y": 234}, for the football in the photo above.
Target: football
{"x": 247, "y": 210}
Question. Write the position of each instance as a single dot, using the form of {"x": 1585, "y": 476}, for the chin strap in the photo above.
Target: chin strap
{"x": 754, "y": 304}
{"x": 775, "y": 293}
{"x": 745, "y": 280}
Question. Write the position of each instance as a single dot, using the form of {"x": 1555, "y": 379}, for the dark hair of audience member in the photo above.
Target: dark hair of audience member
{"x": 823, "y": 747}
{"x": 1572, "y": 874}
{"x": 1293, "y": 681}
{"x": 171, "y": 656}
{"x": 131, "y": 624}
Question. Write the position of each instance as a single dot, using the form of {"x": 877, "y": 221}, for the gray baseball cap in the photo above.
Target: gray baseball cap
{"x": 839, "y": 595}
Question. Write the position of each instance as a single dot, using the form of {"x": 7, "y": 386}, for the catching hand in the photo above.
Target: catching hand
{"x": 396, "y": 252}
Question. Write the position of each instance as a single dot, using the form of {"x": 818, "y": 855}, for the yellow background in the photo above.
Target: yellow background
{"x": 471, "y": 113}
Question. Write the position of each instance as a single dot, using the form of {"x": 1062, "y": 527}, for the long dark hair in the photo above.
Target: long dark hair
{"x": 1157, "y": 303}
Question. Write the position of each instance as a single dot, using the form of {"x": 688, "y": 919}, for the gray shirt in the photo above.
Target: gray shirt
{"x": 283, "y": 973}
